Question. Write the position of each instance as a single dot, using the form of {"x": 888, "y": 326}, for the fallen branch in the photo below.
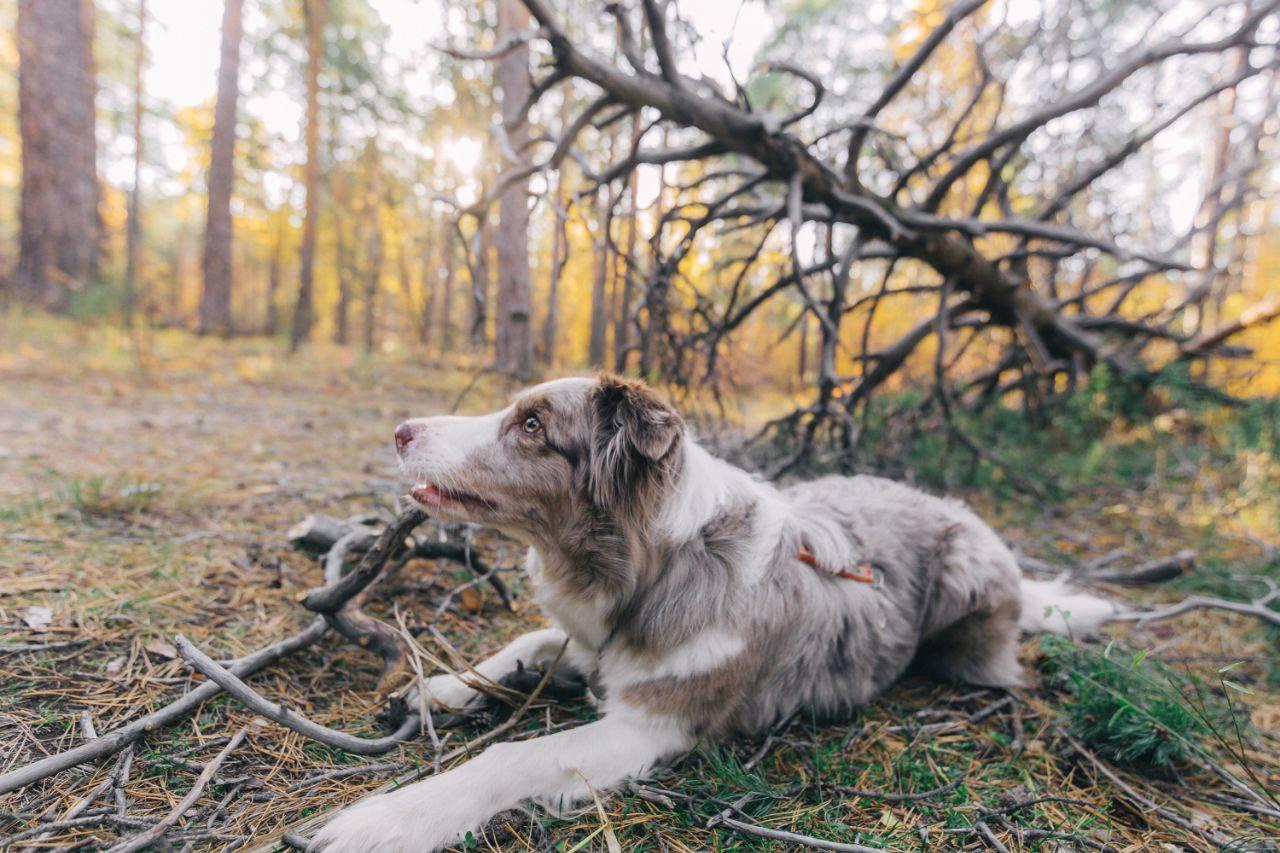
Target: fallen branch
{"x": 390, "y": 542}
{"x": 795, "y": 838}
{"x": 1154, "y": 571}
{"x": 898, "y": 798}
{"x": 1257, "y": 608}
{"x": 279, "y": 713}
{"x": 113, "y": 742}
{"x": 322, "y": 533}
{"x": 153, "y": 834}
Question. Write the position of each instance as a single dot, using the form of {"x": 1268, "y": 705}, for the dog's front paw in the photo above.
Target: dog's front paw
{"x": 415, "y": 819}
{"x": 449, "y": 692}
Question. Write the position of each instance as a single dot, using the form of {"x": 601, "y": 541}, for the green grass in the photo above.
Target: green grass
{"x": 1131, "y": 710}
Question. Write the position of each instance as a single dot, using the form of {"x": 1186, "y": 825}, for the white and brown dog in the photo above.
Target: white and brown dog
{"x": 696, "y": 599}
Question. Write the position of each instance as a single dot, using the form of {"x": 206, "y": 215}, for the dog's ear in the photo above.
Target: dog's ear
{"x": 634, "y": 437}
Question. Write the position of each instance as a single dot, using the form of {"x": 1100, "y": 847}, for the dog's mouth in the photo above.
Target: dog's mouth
{"x": 431, "y": 496}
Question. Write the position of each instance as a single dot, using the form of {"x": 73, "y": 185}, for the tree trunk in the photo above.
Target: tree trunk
{"x": 448, "y": 250}
{"x": 133, "y": 231}
{"x": 372, "y": 275}
{"x": 430, "y": 286}
{"x": 272, "y": 324}
{"x": 215, "y": 298}
{"x": 59, "y": 215}
{"x": 342, "y": 309}
{"x": 622, "y": 323}
{"x": 314, "y": 13}
{"x": 480, "y": 286}
{"x": 372, "y": 260}
{"x": 599, "y": 288}
{"x": 515, "y": 288}
{"x": 559, "y": 255}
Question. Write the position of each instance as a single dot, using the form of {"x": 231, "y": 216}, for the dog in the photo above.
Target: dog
{"x": 697, "y": 600}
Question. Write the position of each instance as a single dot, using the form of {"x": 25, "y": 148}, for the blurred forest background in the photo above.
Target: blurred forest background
{"x": 1069, "y": 185}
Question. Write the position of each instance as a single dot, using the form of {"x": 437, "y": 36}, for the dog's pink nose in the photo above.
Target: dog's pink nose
{"x": 405, "y": 433}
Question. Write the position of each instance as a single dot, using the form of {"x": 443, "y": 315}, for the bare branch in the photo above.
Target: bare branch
{"x": 285, "y": 716}
{"x": 957, "y": 13}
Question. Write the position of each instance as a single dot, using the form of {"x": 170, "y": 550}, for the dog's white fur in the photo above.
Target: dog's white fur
{"x": 561, "y": 770}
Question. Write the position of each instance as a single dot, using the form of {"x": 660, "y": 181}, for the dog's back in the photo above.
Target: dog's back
{"x": 866, "y": 576}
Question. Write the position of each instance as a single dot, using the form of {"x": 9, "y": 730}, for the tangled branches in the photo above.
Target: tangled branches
{"x": 805, "y": 208}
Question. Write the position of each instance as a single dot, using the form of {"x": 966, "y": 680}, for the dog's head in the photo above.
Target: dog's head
{"x": 608, "y": 446}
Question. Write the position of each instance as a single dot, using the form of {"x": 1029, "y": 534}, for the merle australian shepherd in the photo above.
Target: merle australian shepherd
{"x": 697, "y": 600}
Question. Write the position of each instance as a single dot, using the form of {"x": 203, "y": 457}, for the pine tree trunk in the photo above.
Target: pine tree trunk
{"x": 480, "y": 287}
{"x": 215, "y": 298}
{"x": 430, "y": 286}
{"x": 272, "y": 324}
{"x": 559, "y": 255}
{"x": 59, "y": 214}
{"x": 448, "y": 249}
{"x": 342, "y": 308}
{"x": 133, "y": 231}
{"x": 515, "y": 286}
{"x": 622, "y": 322}
{"x": 599, "y": 289}
{"x": 314, "y": 12}
{"x": 372, "y": 275}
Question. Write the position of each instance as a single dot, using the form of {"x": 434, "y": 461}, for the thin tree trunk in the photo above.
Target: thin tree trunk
{"x": 372, "y": 276}
{"x": 515, "y": 287}
{"x": 654, "y": 297}
{"x": 412, "y": 311}
{"x": 448, "y": 249}
{"x": 133, "y": 231}
{"x": 599, "y": 294}
{"x": 59, "y": 214}
{"x": 480, "y": 287}
{"x": 272, "y": 324}
{"x": 559, "y": 255}
{"x": 342, "y": 309}
{"x": 622, "y": 327}
{"x": 314, "y": 13}
{"x": 429, "y": 263}
{"x": 373, "y": 253}
{"x": 215, "y": 298}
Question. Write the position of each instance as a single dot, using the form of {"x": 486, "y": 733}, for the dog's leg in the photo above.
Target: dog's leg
{"x": 557, "y": 771}
{"x": 455, "y": 691}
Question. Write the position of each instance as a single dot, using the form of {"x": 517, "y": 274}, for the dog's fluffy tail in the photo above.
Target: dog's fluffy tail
{"x": 1053, "y": 607}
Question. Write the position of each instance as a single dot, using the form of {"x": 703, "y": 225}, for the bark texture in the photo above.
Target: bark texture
{"x": 59, "y": 214}
{"x": 215, "y": 297}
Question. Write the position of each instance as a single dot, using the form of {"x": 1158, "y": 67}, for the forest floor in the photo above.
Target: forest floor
{"x": 146, "y": 497}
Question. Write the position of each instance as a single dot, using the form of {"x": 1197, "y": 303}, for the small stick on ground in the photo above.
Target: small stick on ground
{"x": 113, "y": 742}
{"x": 1259, "y": 608}
{"x": 286, "y": 717}
{"x": 154, "y": 834}
{"x": 795, "y": 838}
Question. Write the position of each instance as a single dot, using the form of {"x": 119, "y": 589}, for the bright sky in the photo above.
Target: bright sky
{"x": 183, "y": 41}
{"x": 185, "y": 35}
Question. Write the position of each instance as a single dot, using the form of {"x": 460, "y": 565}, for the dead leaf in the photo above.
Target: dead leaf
{"x": 162, "y": 649}
{"x": 471, "y": 600}
{"x": 37, "y": 618}
{"x": 115, "y": 665}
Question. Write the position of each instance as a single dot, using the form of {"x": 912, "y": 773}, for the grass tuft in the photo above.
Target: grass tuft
{"x": 1131, "y": 710}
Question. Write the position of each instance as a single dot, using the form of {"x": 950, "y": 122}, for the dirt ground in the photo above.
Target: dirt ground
{"x": 146, "y": 496}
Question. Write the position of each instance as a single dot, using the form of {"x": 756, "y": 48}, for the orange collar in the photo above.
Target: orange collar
{"x": 863, "y": 572}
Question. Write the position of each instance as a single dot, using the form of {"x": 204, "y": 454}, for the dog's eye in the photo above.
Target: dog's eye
{"x": 532, "y": 424}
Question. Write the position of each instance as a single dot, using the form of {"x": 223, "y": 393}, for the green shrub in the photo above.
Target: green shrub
{"x": 1133, "y": 712}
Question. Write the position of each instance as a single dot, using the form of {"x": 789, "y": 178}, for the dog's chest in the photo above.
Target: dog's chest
{"x": 582, "y": 618}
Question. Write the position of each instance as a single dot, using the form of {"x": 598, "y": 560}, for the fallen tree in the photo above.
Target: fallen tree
{"x": 803, "y": 207}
